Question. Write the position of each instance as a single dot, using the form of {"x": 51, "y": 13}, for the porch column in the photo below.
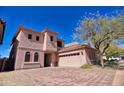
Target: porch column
{"x": 54, "y": 59}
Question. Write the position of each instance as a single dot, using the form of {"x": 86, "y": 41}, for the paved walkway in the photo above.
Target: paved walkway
{"x": 58, "y": 76}
{"x": 119, "y": 76}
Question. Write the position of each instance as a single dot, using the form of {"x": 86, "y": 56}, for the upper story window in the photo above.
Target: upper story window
{"x": 37, "y": 38}
{"x": 29, "y": 36}
{"x": 51, "y": 38}
{"x": 59, "y": 43}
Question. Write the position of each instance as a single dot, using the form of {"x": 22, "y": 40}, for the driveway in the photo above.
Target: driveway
{"x": 58, "y": 76}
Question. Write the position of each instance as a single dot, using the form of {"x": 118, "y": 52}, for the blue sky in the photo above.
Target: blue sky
{"x": 60, "y": 18}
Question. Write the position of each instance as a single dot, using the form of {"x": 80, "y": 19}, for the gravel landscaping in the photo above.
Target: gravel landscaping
{"x": 57, "y": 76}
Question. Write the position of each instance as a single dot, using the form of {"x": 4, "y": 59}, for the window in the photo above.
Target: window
{"x": 29, "y": 36}
{"x": 78, "y": 54}
{"x": 59, "y": 43}
{"x": 27, "y": 57}
{"x": 37, "y": 38}
{"x": 68, "y": 55}
{"x": 51, "y": 38}
{"x": 36, "y": 57}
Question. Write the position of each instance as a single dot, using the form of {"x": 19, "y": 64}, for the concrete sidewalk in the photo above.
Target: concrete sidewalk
{"x": 119, "y": 76}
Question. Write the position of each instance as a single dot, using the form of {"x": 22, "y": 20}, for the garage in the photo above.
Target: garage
{"x": 73, "y": 58}
{"x": 76, "y": 55}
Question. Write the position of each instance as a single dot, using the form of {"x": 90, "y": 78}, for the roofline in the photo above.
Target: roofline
{"x": 87, "y": 46}
{"x": 70, "y": 50}
{"x": 2, "y": 21}
{"x": 61, "y": 39}
{"x": 79, "y": 48}
{"x": 30, "y": 30}
{"x": 48, "y": 30}
{"x": 23, "y": 28}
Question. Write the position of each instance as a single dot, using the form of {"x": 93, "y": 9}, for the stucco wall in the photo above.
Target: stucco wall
{"x": 54, "y": 59}
{"x": 30, "y": 43}
{"x": 20, "y": 57}
{"x": 48, "y": 44}
{"x": 91, "y": 56}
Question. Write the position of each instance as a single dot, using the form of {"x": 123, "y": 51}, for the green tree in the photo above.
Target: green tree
{"x": 114, "y": 50}
{"x": 100, "y": 31}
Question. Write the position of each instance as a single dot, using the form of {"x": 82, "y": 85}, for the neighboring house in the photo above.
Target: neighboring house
{"x": 2, "y": 29}
{"x": 112, "y": 58}
{"x": 3, "y": 62}
{"x": 31, "y": 49}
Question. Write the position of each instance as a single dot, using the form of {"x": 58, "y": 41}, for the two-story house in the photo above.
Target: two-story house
{"x": 32, "y": 49}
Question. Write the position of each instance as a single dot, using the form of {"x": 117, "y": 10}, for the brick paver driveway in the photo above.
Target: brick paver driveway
{"x": 58, "y": 76}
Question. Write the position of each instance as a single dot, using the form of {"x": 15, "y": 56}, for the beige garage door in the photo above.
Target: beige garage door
{"x": 72, "y": 59}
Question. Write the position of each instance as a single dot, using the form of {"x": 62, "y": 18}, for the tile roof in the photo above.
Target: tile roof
{"x": 48, "y": 30}
{"x": 75, "y": 47}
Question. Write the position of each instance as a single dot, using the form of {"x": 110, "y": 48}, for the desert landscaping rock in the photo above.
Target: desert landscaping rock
{"x": 58, "y": 76}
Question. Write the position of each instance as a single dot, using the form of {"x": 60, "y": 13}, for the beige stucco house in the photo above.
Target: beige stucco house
{"x": 32, "y": 49}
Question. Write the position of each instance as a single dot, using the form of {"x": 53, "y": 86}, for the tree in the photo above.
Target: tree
{"x": 114, "y": 51}
{"x": 100, "y": 31}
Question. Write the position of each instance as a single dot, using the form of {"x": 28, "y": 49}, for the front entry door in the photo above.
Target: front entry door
{"x": 47, "y": 60}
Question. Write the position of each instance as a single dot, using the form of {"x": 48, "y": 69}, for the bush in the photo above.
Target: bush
{"x": 111, "y": 62}
{"x": 86, "y": 66}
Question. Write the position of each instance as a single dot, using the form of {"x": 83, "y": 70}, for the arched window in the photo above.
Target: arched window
{"x": 36, "y": 57}
{"x": 27, "y": 57}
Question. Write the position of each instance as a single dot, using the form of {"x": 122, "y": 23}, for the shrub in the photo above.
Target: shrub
{"x": 112, "y": 62}
{"x": 86, "y": 66}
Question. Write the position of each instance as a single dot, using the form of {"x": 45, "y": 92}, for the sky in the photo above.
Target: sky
{"x": 62, "y": 19}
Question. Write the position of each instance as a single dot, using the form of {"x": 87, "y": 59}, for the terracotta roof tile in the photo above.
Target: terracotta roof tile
{"x": 48, "y": 30}
{"x": 75, "y": 47}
